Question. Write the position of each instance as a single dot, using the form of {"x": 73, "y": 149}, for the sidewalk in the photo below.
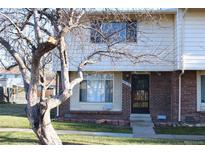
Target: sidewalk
{"x": 145, "y": 130}
{"x": 71, "y": 132}
{"x": 154, "y": 136}
{"x": 174, "y": 137}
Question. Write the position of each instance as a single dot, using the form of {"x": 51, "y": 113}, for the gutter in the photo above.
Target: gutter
{"x": 182, "y": 66}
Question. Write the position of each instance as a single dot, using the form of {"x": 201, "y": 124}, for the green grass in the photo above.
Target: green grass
{"x": 15, "y": 138}
{"x": 29, "y": 138}
{"x": 90, "y": 127}
{"x": 181, "y": 130}
{"x": 13, "y": 116}
{"x": 13, "y": 122}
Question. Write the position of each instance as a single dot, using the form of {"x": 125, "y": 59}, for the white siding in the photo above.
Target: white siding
{"x": 157, "y": 38}
{"x": 194, "y": 39}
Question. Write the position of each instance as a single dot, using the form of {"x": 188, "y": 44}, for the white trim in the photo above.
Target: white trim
{"x": 200, "y": 106}
{"x": 141, "y": 72}
{"x": 126, "y": 83}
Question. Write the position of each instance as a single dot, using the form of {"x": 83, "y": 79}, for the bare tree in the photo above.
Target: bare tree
{"x": 30, "y": 35}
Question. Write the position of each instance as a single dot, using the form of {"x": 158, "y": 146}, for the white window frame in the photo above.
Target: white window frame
{"x": 87, "y": 102}
{"x": 200, "y": 105}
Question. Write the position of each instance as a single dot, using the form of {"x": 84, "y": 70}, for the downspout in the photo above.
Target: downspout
{"x": 182, "y": 65}
{"x": 57, "y": 91}
{"x": 57, "y": 113}
{"x": 180, "y": 93}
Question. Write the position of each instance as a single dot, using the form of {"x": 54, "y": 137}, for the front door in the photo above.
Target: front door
{"x": 140, "y": 93}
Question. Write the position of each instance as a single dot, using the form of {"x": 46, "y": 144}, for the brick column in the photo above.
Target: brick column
{"x": 126, "y": 95}
{"x": 126, "y": 101}
{"x": 160, "y": 99}
{"x": 174, "y": 95}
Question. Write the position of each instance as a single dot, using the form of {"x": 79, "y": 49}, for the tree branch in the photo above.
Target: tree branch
{"x": 24, "y": 71}
{"x": 80, "y": 73}
{"x": 19, "y": 31}
{"x": 36, "y": 26}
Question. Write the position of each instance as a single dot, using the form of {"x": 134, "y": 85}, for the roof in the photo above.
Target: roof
{"x": 138, "y": 10}
{"x": 12, "y": 71}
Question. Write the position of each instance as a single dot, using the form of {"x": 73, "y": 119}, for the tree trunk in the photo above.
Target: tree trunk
{"x": 39, "y": 117}
{"x": 38, "y": 112}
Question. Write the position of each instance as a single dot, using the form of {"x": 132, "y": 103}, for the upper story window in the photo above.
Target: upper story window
{"x": 113, "y": 32}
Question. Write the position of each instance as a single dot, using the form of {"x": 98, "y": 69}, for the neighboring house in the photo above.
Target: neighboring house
{"x": 51, "y": 90}
{"x": 171, "y": 90}
{"x": 11, "y": 86}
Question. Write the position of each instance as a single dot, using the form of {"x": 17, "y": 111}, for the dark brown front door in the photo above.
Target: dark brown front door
{"x": 140, "y": 93}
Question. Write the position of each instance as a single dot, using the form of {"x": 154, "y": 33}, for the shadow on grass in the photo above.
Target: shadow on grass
{"x": 8, "y": 138}
{"x": 70, "y": 143}
{"x": 17, "y": 110}
{"x": 17, "y": 140}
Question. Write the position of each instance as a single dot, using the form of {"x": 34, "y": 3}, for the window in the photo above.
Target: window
{"x": 97, "y": 88}
{"x": 113, "y": 32}
{"x": 201, "y": 91}
{"x": 131, "y": 34}
{"x": 202, "y": 88}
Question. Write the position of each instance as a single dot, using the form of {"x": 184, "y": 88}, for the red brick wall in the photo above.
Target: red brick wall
{"x": 164, "y": 92}
{"x": 164, "y": 96}
{"x": 189, "y": 99}
{"x": 174, "y": 96}
{"x": 160, "y": 95}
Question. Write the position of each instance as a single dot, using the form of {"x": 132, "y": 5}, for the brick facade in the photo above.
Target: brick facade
{"x": 164, "y": 97}
{"x": 189, "y": 99}
{"x": 174, "y": 96}
{"x": 164, "y": 100}
{"x": 160, "y": 98}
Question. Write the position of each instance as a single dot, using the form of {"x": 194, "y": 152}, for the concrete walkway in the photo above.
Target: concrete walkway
{"x": 71, "y": 132}
{"x": 145, "y": 130}
{"x": 175, "y": 137}
{"x": 142, "y": 129}
{"x": 144, "y": 134}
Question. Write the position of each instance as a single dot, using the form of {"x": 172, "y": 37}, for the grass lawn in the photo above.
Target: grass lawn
{"x": 181, "y": 130}
{"x": 13, "y": 116}
{"x": 29, "y": 138}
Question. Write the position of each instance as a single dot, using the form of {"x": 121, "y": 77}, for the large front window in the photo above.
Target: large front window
{"x": 97, "y": 88}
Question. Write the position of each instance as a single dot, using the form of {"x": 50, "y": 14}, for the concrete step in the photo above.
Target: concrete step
{"x": 142, "y": 120}
{"x": 140, "y": 117}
